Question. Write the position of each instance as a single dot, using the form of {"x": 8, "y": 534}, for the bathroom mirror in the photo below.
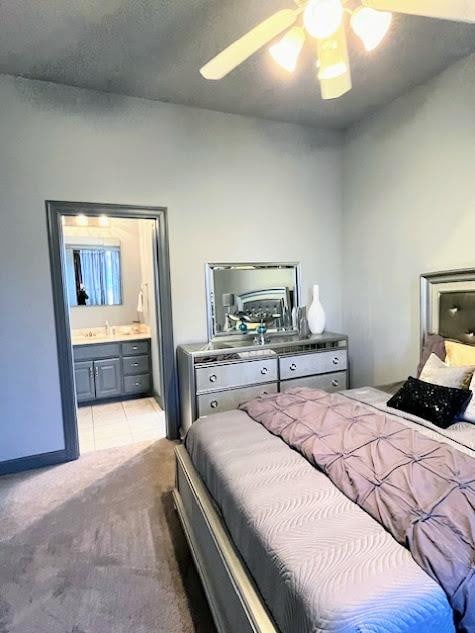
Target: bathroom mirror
{"x": 243, "y": 296}
{"x": 93, "y": 275}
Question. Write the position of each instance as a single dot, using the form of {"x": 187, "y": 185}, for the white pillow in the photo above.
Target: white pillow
{"x": 439, "y": 373}
{"x": 469, "y": 414}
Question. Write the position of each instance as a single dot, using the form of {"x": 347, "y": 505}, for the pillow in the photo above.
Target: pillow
{"x": 440, "y": 405}
{"x": 433, "y": 344}
{"x": 469, "y": 414}
{"x": 437, "y": 372}
{"x": 459, "y": 354}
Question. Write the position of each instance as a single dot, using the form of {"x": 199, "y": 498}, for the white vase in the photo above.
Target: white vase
{"x": 316, "y": 314}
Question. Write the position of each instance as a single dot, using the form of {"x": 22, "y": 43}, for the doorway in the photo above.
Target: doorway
{"x": 112, "y": 299}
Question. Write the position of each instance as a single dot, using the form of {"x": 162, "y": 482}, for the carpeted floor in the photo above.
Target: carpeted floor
{"x": 95, "y": 546}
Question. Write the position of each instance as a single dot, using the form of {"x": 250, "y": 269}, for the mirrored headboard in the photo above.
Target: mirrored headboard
{"x": 240, "y": 296}
{"x": 448, "y": 305}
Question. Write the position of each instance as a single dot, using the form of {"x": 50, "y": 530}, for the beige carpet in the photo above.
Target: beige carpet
{"x": 94, "y": 546}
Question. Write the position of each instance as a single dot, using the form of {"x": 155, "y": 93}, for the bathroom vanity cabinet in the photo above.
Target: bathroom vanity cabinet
{"x": 111, "y": 370}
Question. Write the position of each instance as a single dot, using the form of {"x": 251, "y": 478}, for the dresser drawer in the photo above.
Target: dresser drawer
{"x": 132, "y": 365}
{"x": 96, "y": 352}
{"x": 226, "y": 400}
{"x": 137, "y": 384}
{"x": 134, "y": 348}
{"x": 308, "y": 364}
{"x": 215, "y": 377}
{"x": 328, "y": 382}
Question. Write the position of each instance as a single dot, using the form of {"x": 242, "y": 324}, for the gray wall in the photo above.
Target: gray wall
{"x": 409, "y": 208}
{"x": 236, "y": 188}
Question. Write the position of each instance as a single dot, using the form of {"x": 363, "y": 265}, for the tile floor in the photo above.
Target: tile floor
{"x": 119, "y": 423}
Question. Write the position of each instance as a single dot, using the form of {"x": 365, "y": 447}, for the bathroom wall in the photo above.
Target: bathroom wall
{"x": 149, "y": 315}
{"x": 127, "y": 232}
{"x": 236, "y": 188}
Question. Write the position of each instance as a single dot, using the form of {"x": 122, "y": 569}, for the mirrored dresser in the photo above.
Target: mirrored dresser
{"x": 219, "y": 376}
{"x": 256, "y": 345}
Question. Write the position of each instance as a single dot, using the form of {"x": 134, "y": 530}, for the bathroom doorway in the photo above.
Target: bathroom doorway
{"x": 111, "y": 287}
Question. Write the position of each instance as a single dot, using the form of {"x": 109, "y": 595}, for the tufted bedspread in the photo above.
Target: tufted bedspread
{"x": 420, "y": 489}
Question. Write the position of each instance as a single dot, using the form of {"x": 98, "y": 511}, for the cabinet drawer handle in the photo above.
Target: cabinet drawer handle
{"x": 96, "y": 371}
{"x": 335, "y": 383}
{"x": 213, "y": 378}
{"x": 135, "y": 364}
{"x": 336, "y": 360}
{"x": 264, "y": 371}
{"x": 293, "y": 367}
{"x": 214, "y": 404}
{"x": 137, "y": 384}
{"x": 134, "y": 347}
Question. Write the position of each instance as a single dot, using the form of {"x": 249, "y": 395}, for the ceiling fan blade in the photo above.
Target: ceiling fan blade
{"x": 457, "y": 10}
{"x": 248, "y": 44}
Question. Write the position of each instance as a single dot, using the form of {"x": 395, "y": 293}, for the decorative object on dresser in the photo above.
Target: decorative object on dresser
{"x": 316, "y": 314}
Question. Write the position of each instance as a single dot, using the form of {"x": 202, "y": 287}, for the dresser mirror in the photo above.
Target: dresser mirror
{"x": 247, "y": 296}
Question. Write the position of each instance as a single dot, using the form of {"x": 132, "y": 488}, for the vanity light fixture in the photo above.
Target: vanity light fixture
{"x": 81, "y": 220}
{"x": 103, "y": 220}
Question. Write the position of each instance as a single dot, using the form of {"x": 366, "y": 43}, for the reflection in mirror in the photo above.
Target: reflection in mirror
{"x": 93, "y": 275}
{"x": 243, "y": 296}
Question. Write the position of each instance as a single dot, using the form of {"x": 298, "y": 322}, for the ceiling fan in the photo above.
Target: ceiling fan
{"x": 324, "y": 20}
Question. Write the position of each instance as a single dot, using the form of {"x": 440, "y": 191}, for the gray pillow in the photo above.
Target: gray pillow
{"x": 433, "y": 344}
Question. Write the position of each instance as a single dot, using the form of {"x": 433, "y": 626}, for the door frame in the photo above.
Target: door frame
{"x": 168, "y": 376}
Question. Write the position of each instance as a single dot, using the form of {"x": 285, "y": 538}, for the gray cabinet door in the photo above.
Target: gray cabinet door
{"x": 84, "y": 379}
{"x": 108, "y": 378}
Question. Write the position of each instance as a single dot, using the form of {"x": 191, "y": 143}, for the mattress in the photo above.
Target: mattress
{"x": 319, "y": 561}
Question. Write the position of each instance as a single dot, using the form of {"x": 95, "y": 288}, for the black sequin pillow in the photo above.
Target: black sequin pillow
{"x": 440, "y": 405}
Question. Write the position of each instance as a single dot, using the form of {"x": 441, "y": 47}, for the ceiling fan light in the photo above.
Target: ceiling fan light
{"x": 370, "y": 26}
{"x": 322, "y": 18}
{"x": 287, "y": 50}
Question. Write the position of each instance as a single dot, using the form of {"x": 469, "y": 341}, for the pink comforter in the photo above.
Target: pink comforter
{"x": 421, "y": 490}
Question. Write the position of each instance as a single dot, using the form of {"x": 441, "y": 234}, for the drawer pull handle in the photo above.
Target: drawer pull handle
{"x": 214, "y": 404}
{"x": 135, "y": 364}
{"x": 293, "y": 367}
{"x": 137, "y": 384}
{"x": 335, "y": 383}
{"x": 336, "y": 360}
{"x": 264, "y": 371}
{"x": 213, "y": 378}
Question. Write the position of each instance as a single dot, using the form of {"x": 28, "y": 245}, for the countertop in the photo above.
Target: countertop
{"x": 116, "y": 338}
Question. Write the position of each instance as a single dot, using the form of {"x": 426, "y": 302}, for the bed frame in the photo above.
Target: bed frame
{"x": 447, "y": 308}
{"x": 233, "y": 597}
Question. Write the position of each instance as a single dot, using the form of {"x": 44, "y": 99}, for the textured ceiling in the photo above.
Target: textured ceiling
{"x": 154, "y": 49}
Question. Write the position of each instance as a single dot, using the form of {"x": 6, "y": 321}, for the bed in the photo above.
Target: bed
{"x": 280, "y": 549}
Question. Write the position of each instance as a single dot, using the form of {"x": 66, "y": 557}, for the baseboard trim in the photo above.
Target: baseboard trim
{"x": 11, "y": 466}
